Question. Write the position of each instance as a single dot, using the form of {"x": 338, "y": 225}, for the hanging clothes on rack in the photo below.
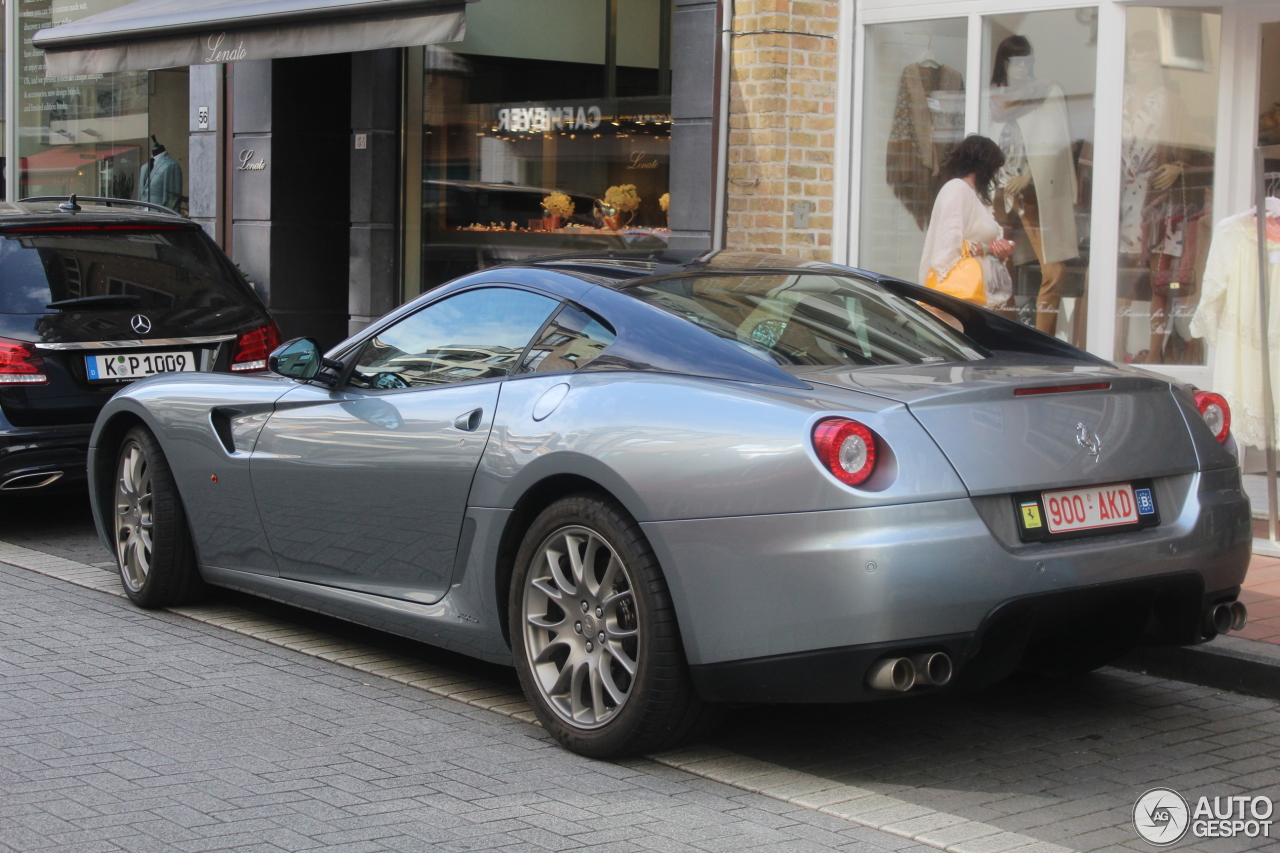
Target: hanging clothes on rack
{"x": 928, "y": 121}
{"x": 1228, "y": 318}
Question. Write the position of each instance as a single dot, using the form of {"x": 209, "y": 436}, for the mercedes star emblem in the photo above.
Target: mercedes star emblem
{"x": 140, "y": 324}
{"x": 1088, "y": 439}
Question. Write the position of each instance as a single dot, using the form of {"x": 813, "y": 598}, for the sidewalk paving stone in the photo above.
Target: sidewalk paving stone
{"x": 263, "y": 714}
{"x": 1063, "y": 760}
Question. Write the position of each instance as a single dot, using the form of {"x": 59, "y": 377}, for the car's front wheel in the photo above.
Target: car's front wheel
{"x": 153, "y": 544}
{"x": 594, "y": 634}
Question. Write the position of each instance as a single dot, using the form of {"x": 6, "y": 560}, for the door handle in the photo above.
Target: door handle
{"x": 468, "y": 421}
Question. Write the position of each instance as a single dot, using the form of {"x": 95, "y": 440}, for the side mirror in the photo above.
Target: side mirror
{"x": 296, "y": 359}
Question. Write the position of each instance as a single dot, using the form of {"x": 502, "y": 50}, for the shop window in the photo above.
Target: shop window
{"x": 913, "y": 114}
{"x": 544, "y": 131}
{"x": 1166, "y": 192}
{"x": 92, "y": 135}
{"x": 1038, "y": 105}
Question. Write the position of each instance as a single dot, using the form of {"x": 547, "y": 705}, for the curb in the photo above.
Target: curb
{"x": 1229, "y": 663}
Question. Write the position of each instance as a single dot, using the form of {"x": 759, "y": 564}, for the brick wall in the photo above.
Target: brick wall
{"x": 782, "y": 105}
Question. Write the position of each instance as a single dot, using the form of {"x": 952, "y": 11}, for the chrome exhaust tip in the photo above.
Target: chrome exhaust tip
{"x": 1228, "y": 616}
{"x": 30, "y": 481}
{"x": 1220, "y": 618}
{"x": 1239, "y": 615}
{"x": 932, "y": 668}
{"x": 892, "y": 674}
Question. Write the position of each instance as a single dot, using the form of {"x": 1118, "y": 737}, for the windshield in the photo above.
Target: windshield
{"x": 147, "y": 270}
{"x": 825, "y": 320}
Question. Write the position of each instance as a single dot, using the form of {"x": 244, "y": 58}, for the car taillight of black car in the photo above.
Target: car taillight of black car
{"x": 253, "y": 347}
{"x": 20, "y": 365}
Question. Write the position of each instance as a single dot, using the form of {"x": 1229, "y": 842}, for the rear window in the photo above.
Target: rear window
{"x": 159, "y": 269}
{"x": 822, "y": 320}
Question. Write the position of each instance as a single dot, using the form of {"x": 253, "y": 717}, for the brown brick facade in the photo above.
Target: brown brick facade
{"x": 782, "y": 107}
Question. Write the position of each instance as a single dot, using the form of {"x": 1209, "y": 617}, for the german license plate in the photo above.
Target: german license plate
{"x": 103, "y": 368}
{"x": 1091, "y": 508}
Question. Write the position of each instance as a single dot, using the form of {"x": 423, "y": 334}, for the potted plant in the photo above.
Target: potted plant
{"x": 558, "y": 207}
{"x": 618, "y": 201}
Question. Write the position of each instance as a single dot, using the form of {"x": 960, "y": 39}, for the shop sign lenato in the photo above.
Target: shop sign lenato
{"x": 215, "y": 53}
{"x": 246, "y": 163}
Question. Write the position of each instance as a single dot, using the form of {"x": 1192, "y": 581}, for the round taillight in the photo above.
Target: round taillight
{"x": 846, "y": 448}
{"x": 1216, "y": 413}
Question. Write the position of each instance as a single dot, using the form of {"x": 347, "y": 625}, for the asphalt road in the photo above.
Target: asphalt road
{"x": 121, "y": 729}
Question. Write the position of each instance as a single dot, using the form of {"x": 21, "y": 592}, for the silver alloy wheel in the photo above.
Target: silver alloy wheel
{"x": 581, "y": 629}
{"x": 134, "y": 518}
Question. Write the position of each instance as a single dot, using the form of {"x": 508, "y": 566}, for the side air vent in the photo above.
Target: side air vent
{"x": 221, "y": 419}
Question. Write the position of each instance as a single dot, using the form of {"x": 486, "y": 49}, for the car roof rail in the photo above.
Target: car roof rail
{"x": 69, "y": 203}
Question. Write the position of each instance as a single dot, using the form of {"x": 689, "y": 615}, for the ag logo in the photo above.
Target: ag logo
{"x": 1161, "y": 816}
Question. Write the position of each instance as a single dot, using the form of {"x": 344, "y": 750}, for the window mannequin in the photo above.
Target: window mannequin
{"x": 161, "y": 178}
{"x": 1038, "y": 181}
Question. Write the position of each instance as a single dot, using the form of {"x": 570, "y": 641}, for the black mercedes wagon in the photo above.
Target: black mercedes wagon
{"x": 94, "y": 294}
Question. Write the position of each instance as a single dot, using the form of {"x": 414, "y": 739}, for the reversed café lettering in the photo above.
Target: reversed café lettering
{"x": 543, "y": 119}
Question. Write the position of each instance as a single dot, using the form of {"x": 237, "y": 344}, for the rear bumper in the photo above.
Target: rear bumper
{"x": 1097, "y": 620}
{"x": 823, "y": 583}
{"x": 31, "y": 456}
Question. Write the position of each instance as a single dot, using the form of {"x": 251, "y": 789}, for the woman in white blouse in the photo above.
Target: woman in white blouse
{"x": 962, "y": 216}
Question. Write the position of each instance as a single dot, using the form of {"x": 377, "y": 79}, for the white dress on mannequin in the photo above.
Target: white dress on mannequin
{"x": 1227, "y": 319}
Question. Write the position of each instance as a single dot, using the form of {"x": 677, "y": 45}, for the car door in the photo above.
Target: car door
{"x": 364, "y": 486}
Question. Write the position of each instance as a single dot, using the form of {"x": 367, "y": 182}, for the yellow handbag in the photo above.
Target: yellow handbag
{"x": 964, "y": 281}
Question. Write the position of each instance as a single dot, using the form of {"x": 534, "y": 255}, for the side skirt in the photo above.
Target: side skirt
{"x": 441, "y": 624}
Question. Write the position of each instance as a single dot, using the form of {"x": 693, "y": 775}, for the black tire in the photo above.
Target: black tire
{"x": 661, "y": 708}
{"x": 171, "y": 575}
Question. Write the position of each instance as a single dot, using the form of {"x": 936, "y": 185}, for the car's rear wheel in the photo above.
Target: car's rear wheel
{"x": 595, "y": 637}
{"x": 153, "y": 543}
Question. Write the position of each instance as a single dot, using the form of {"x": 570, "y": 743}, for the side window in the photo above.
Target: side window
{"x": 572, "y": 339}
{"x": 478, "y": 334}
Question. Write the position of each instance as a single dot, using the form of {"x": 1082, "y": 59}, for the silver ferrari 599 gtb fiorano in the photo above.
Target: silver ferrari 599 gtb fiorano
{"x": 657, "y": 486}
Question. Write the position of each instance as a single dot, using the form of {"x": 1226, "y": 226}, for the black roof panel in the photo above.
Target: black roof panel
{"x": 22, "y": 214}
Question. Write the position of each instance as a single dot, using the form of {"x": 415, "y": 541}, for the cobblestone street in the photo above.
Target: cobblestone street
{"x": 129, "y": 730}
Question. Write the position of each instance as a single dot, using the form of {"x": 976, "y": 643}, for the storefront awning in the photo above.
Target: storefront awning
{"x": 171, "y": 33}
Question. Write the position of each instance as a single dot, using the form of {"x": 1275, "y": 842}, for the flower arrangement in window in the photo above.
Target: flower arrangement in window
{"x": 617, "y": 201}
{"x": 664, "y": 202}
{"x": 558, "y": 206}
{"x": 623, "y": 198}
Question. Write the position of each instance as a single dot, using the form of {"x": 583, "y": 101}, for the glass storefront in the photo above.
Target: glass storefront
{"x": 914, "y": 114}
{"x": 122, "y": 135}
{"x": 539, "y": 135}
{"x": 1138, "y": 146}
{"x": 1166, "y": 182}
